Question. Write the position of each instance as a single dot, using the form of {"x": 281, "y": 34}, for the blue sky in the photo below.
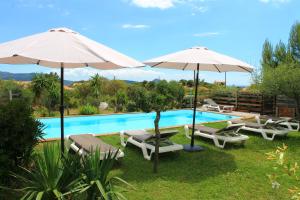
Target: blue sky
{"x": 144, "y": 29}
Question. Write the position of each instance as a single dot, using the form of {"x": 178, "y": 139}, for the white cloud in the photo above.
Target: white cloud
{"x": 206, "y": 34}
{"x": 161, "y": 4}
{"x": 135, "y": 26}
{"x": 195, "y": 5}
{"x": 274, "y": 1}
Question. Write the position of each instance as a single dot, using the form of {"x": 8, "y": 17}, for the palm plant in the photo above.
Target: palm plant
{"x": 98, "y": 184}
{"x": 96, "y": 84}
{"x": 51, "y": 177}
{"x": 68, "y": 177}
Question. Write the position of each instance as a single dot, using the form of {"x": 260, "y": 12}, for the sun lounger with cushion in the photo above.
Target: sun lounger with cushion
{"x": 286, "y": 122}
{"x": 212, "y": 105}
{"x": 219, "y": 136}
{"x": 146, "y": 141}
{"x": 87, "y": 143}
{"x": 268, "y": 131}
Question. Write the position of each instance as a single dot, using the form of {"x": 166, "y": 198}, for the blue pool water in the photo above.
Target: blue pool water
{"x": 114, "y": 123}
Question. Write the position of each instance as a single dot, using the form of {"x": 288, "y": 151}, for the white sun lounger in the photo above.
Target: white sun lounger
{"x": 86, "y": 143}
{"x": 212, "y": 105}
{"x": 268, "y": 131}
{"x": 286, "y": 122}
{"x": 219, "y": 136}
{"x": 146, "y": 141}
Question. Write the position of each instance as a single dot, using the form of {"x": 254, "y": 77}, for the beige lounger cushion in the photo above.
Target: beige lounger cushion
{"x": 89, "y": 143}
{"x": 142, "y": 136}
{"x": 204, "y": 129}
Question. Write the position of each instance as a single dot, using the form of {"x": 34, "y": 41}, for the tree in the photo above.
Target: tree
{"x": 46, "y": 89}
{"x": 159, "y": 98}
{"x": 283, "y": 80}
{"x": 281, "y": 67}
{"x": 190, "y": 83}
{"x": 20, "y": 133}
{"x": 120, "y": 101}
{"x": 96, "y": 84}
{"x": 267, "y": 55}
{"x": 114, "y": 86}
{"x": 294, "y": 41}
{"x": 183, "y": 82}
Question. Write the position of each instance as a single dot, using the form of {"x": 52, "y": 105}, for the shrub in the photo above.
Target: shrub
{"x": 284, "y": 167}
{"x": 68, "y": 177}
{"x": 131, "y": 107}
{"x": 88, "y": 110}
{"x": 41, "y": 112}
{"x": 20, "y": 133}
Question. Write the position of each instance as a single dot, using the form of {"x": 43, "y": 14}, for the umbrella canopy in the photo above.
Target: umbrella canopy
{"x": 206, "y": 59}
{"x": 199, "y": 59}
{"x": 63, "y": 48}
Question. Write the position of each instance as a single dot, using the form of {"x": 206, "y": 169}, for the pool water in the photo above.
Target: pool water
{"x": 116, "y": 122}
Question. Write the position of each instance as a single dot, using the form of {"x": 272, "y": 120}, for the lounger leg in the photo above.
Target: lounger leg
{"x": 217, "y": 143}
{"x": 265, "y": 136}
{"x": 145, "y": 153}
{"x": 187, "y": 132}
{"x": 123, "y": 142}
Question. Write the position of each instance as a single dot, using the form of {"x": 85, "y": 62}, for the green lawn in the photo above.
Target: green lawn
{"x": 232, "y": 173}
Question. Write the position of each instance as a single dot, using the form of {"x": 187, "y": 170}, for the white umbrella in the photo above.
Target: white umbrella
{"x": 199, "y": 59}
{"x": 63, "y": 48}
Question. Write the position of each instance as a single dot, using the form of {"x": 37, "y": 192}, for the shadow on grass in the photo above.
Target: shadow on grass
{"x": 180, "y": 166}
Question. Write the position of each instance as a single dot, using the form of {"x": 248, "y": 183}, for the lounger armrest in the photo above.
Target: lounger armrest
{"x": 236, "y": 125}
{"x": 122, "y": 139}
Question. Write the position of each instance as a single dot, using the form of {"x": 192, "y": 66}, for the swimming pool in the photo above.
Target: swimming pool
{"x": 116, "y": 122}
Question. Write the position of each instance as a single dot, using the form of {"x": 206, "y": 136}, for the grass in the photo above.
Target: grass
{"x": 232, "y": 173}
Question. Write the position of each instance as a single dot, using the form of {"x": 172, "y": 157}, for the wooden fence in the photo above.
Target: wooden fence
{"x": 247, "y": 102}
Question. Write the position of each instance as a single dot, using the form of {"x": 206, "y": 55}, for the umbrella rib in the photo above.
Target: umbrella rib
{"x": 217, "y": 67}
{"x": 157, "y": 64}
{"x": 244, "y": 69}
{"x": 185, "y": 66}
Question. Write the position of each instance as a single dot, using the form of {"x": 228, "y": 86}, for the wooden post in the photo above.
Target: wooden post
{"x": 236, "y": 100}
{"x": 262, "y": 104}
{"x": 10, "y": 95}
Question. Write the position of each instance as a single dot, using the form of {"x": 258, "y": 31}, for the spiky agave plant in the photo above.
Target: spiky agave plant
{"x": 53, "y": 176}
{"x": 98, "y": 183}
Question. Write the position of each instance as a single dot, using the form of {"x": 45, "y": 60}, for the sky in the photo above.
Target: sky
{"x": 144, "y": 29}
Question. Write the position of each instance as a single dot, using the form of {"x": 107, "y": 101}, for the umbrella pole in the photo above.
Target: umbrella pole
{"x": 193, "y": 147}
{"x": 62, "y": 137}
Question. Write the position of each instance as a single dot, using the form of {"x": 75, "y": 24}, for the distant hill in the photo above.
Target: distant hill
{"x": 23, "y": 77}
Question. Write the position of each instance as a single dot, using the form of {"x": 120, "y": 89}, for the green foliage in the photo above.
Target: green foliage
{"x": 20, "y": 133}
{"x": 190, "y": 83}
{"x": 280, "y": 68}
{"x": 137, "y": 96}
{"x": 294, "y": 41}
{"x": 96, "y": 84}
{"x": 68, "y": 176}
{"x": 51, "y": 177}
{"x": 120, "y": 101}
{"x": 114, "y": 86}
{"x": 221, "y": 89}
{"x": 16, "y": 90}
{"x": 267, "y": 55}
{"x": 88, "y": 110}
{"x": 46, "y": 89}
{"x": 283, "y": 80}
{"x": 157, "y": 96}
{"x": 98, "y": 184}
{"x": 284, "y": 167}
